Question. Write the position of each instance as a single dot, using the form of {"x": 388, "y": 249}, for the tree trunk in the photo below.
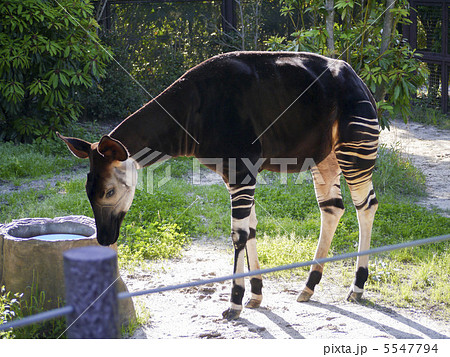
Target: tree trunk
{"x": 329, "y": 25}
{"x": 387, "y": 26}
{"x": 385, "y": 42}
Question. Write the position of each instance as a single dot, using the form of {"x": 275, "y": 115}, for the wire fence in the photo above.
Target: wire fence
{"x": 66, "y": 310}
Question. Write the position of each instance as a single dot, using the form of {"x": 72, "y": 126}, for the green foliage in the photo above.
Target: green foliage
{"x": 421, "y": 113}
{"x": 8, "y": 304}
{"x": 153, "y": 45}
{"x": 394, "y": 76}
{"x": 16, "y": 307}
{"x": 31, "y": 161}
{"x": 49, "y": 50}
{"x": 42, "y": 158}
{"x": 163, "y": 41}
{"x": 151, "y": 241}
{"x": 401, "y": 74}
{"x": 117, "y": 95}
{"x": 395, "y": 173}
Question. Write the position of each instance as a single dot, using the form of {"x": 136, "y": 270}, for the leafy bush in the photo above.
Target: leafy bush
{"x": 48, "y": 51}
{"x": 117, "y": 95}
{"x": 393, "y": 73}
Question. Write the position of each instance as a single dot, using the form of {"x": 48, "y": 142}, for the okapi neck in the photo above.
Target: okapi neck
{"x": 154, "y": 127}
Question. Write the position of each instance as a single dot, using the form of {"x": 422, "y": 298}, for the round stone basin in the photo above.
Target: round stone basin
{"x": 31, "y": 257}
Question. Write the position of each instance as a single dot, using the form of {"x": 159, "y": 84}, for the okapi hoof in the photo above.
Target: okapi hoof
{"x": 231, "y": 314}
{"x": 305, "y": 295}
{"x": 354, "y": 296}
{"x": 253, "y": 304}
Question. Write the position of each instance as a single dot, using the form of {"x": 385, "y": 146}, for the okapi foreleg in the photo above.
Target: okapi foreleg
{"x": 241, "y": 206}
{"x": 253, "y": 264}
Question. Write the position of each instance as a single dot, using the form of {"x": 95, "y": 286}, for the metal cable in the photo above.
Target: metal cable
{"x": 29, "y": 320}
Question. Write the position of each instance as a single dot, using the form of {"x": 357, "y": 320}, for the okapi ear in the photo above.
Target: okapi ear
{"x": 112, "y": 149}
{"x": 78, "y": 147}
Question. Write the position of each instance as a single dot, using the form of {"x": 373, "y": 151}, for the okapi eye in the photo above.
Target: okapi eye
{"x": 110, "y": 193}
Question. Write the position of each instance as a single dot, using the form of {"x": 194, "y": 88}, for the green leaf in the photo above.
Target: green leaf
{"x": 396, "y": 92}
{"x": 54, "y": 80}
{"x": 64, "y": 79}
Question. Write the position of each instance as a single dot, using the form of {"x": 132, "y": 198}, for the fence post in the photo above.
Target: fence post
{"x": 228, "y": 15}
{"x": 90, "y": 275}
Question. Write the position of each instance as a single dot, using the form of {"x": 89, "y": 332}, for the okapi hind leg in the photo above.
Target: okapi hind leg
{"x": 253, "y": 264}
{"x": 326, "y": 178}
{"x": 241, "y": 205}
{"x": 366, "y": 206}
{"x": 356, "y": 155}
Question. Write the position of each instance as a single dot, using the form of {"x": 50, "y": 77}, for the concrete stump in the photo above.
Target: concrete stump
{"x": 28, "y": 263}
{"x": 91, "y": 289}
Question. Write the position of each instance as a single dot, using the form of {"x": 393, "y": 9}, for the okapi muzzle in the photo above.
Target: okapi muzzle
{"x": 110, "y": 185}
{"x": 108, "y": 221}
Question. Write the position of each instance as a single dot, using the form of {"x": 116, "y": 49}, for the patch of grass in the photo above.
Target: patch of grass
{"x": 66, "y": 198}
{"x": 420, "y": 282}
{"x": 151, "y": 241}
{"x": 394, "y": 173}
{"x": 42, "y": 159}
{"x": 28, "y": 161}
{"x": 430, "y": 116}
{"x": 398, "y": 222}
{"x": 189, "y": 206}
{"x": 142, "y": 318}
{"x": 14, "y": 307}
{"x": 283, "y": 250}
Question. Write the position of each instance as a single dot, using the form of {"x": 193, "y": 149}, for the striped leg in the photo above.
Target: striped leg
{"x": 356, "y": 156}
{"x": 366, "y": 204}
{"x": 241, "y": 206}
{"x": 253, "y": 263}
{"x": 328, "y": 193}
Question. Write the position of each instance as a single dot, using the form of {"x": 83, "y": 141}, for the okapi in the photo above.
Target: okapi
{"x": 253, "y": 109}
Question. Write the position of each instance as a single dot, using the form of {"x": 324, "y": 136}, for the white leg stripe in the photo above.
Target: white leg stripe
{"x": 236, "y": 307}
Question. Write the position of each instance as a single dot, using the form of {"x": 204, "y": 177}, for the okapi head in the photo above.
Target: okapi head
{"x": 111, "y": 183}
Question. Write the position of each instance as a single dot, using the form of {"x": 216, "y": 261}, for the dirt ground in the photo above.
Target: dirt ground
{"x": 196, "y": 313}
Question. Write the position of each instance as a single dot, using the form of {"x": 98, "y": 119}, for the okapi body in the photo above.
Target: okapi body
{"x": 256, "y": 110}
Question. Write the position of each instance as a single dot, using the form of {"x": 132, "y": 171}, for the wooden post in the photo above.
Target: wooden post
{"x": 228, "y": 15}
{"x": 90, "y": 276}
